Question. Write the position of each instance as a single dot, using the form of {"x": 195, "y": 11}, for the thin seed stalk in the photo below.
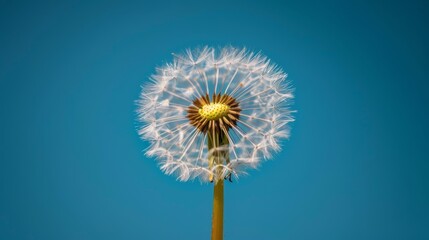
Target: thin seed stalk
{"x": 216, "y": 157}
{"x": 217, "y": 218}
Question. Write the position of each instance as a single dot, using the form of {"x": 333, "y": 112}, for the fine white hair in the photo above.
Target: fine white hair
{"x": 258, "y": 85}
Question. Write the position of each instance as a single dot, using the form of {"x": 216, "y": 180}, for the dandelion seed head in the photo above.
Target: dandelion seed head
{"x": 236, "y": 93}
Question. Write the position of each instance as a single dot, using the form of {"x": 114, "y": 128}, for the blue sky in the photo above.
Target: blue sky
{"x": 73, "y": 166}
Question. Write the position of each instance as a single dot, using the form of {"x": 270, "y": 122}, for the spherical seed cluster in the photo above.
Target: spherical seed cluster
{"x": 248, "y": 104}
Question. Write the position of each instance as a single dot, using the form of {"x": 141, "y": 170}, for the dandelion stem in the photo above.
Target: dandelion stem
{"x": 217, "y": 220}
{"x": 218, "y": 156}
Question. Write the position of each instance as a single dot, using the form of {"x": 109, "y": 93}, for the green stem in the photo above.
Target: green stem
{"x": 217, "y": 220}
{"x": 216, "y": 139}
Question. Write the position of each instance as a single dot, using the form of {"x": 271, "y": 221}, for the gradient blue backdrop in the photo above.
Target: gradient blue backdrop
{"x": 72, "y": 164}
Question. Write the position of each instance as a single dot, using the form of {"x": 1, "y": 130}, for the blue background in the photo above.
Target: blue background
{"x": 72, "y": 164}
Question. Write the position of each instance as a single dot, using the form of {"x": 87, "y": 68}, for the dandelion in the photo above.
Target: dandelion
{"x": 212, "y": 114}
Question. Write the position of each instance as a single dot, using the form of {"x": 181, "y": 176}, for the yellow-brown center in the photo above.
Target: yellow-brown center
{"x": 218, "y": 114}
{"x": 214, "y": 111}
